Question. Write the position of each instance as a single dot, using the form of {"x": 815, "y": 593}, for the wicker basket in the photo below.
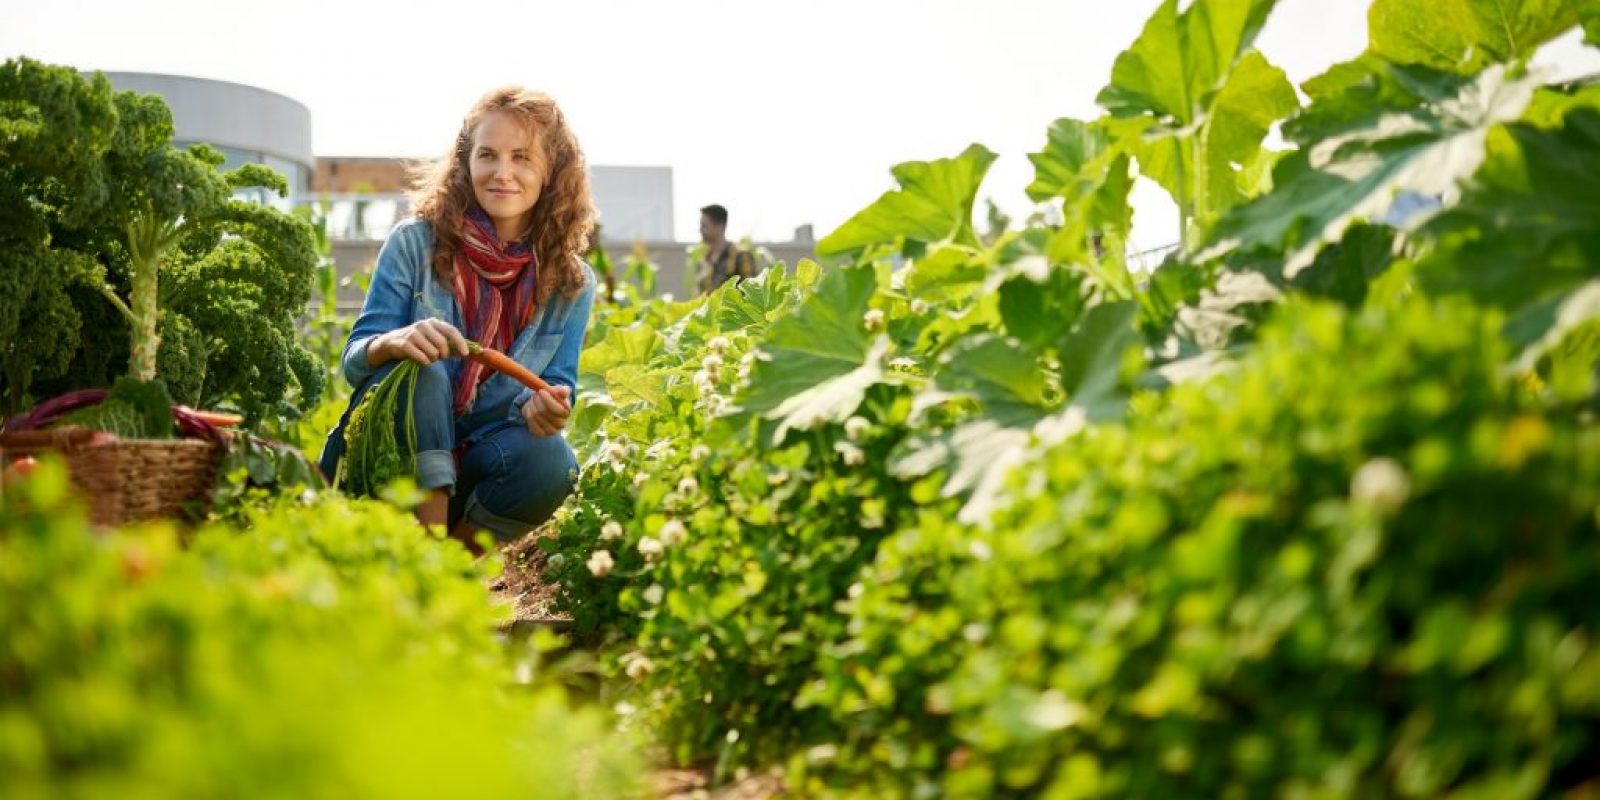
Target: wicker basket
{"x": 128, "y": 480}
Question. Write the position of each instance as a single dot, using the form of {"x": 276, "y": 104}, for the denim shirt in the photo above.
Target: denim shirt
{"x": 405, "y": 290}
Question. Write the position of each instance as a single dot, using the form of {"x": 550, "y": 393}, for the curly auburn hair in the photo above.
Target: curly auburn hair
{"x": 564, "y": 216}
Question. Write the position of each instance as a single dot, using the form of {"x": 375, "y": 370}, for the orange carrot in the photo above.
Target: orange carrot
{"x": 220, "y": 419}
{"x": 502, "y": 363}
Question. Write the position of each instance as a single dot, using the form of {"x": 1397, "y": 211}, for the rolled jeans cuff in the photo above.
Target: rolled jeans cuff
{"x": 436, "y": 469}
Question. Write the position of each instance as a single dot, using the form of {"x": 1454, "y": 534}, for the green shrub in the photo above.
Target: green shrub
{"x": 1356, "y": 566}
{"x": 328, "y": 651}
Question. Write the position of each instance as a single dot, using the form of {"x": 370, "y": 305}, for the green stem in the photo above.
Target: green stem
{"x": 148, "y": 239}
{"x": 116, "y": 302}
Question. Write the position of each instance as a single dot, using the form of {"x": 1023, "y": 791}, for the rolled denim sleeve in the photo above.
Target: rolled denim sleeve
{"x": 388, "y": 302}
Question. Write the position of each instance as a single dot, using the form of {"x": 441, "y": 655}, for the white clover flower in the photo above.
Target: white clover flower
{"x": 611, "y": 530}
{"x": 556, "y": 560}
{"x": 699, "y": 453}
{"x": 688, "y": 486}
{"x": 650, "y": 548}
{"x": 873, "y": 320}
{"x": 673, "y": 533}
{"x": 856, "y": 427}
{"x": 853, "y": 456}
{"x": 778, "y": 478}
{"x": 748, "y": 359}
{"x": 600, "y": 563}
{"x": 919, "y": 306}
{"x": 718, "y": 344}
{"x": 639, "y": 478}
{"x": 705, "y": 382}
{"x": 1381, "y": 483}
{"x": 636, "y": 665}
{"x": 653, "y": 594}
{"x": 711, "y": 363}
{"x": 616, "y": 452}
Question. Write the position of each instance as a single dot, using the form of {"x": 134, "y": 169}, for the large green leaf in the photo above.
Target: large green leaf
{"x": 1075, "y": 154}
{"x": 1209, "y": 167}
{"x": 1528, "y": 226}
{"x": 749, "y": 305}
{"x": 1017, "y": 405}
{"x": 1002, "y": 375}
{"x": 636, "y": 383}
{"x": 632, "y": 345}
{"x": 1092, "y": 353}
{"x": 1465, "y": 36}
{"x": 949, "y": 272}
{"x": 1181, "y": 60}
{"x": 1551, "y": 104}
{"x": 1361, "y": 146}
{"x": 1207, "y": 100}
{"x": 1087, "y": 166}
{"x": 978, "y": 456}
{"x": 1013, "y": 394}
{"x": 818, "y": 362}
{"x": 1038, "y": 305}
{"x": 933, "y": 204}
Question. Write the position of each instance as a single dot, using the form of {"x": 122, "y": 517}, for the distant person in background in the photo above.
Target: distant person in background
{"x": 723, "y": 259}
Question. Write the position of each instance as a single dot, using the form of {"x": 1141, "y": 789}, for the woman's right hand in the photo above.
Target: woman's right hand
{"x": 424, "y": 341}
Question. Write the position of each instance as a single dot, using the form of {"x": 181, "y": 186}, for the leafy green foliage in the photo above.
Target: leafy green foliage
{"x": 1466, "y": 35}
{"x": 1423, "y": 133}
{"x": 330, "y": 650}
{"x": 132, "y": 409}
{"x": 933, "y": 204}
{"x": 1528, "y": 226}
{"x": 1292, "y": 578}
{"x": 381, "y": 438}
{"x": 111, "y": 215}
{"x": 1304, "y": 512}
{"x": 1202, "y": 100}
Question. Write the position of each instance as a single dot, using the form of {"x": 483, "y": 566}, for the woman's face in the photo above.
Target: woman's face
{"x": 508, "y": 171}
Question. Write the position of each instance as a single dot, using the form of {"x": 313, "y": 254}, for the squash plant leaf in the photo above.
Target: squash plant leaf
{"x": 1528, "y": 226}
{"x": 818, "y": 362}
{"x": 1464, "y": 36}
{"x": 635, "y": 345}
{"x": 1373, "y": 131}
{"x": 1013, "y": 395}
{"x": 1206, "y": 100}
{"x": 754, "y": 303}
{"x": 933, "y": 204}
{"x": 1087, "y": 166}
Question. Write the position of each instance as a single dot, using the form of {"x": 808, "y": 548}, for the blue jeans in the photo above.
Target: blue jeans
{"x": 508, "y": 480}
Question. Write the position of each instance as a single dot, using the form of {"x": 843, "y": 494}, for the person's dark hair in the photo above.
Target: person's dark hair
{"x": 717, "y": 213}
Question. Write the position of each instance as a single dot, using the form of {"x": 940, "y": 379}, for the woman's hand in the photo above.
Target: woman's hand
{"x": 424, "y": 341}
{"x": 546, "y": 412}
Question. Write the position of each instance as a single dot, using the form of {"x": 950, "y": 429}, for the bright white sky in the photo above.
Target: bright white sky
{"x": 785, "y": 112}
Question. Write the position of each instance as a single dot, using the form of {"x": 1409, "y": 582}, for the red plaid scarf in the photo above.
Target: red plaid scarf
{"x": 495, "y": 286}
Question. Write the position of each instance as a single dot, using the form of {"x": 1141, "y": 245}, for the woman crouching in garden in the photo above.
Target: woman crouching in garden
{"x": 492, "y": 256}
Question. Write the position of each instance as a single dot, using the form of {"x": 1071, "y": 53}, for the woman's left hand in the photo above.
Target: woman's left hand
{"x": 546, "y": 412}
